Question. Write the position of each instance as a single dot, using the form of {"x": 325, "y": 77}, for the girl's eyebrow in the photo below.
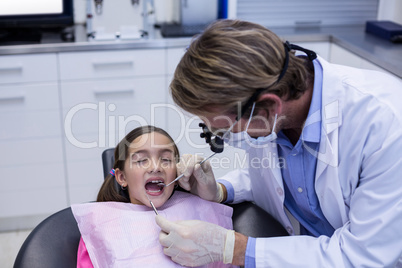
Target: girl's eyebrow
{"x": 166, "y": 150}
{"x": 140, "y": 152}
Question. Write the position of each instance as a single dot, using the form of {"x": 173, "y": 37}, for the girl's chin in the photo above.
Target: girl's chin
{"x": 159, "y": 200}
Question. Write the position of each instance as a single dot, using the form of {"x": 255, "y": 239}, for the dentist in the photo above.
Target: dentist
{"x": 337, "y": 130}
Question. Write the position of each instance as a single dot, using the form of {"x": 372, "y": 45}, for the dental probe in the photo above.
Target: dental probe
{"x": 182, "y": 175}
{"x": 152, "y": 205}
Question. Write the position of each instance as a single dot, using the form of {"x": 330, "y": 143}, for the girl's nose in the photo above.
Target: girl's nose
{"x": 155, "y": 166}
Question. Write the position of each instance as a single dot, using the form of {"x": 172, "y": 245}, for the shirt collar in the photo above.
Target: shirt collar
{"x": 312, "y": 127}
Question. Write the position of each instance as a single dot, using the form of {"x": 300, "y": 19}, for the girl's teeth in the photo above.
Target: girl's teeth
{"x": 154, "y": 191}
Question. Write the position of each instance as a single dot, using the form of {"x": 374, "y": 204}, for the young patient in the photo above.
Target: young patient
{"x": 119, "y": 230}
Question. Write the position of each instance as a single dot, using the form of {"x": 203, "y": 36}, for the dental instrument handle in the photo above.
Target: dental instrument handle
{"x": 178, "y": 178}
{"x": 182, "y": 175}
{"x": 207, "y": 158}
{"x": 152, "y": 204}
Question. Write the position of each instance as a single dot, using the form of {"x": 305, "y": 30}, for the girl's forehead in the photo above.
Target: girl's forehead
{"x": 151, "y": 142}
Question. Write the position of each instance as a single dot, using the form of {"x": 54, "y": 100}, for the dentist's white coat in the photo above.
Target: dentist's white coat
{"x": 358, "y": 177}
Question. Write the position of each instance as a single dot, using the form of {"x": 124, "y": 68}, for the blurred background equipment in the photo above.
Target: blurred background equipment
{"x": 123, "y": 19}
{"x": 194, "y": 17}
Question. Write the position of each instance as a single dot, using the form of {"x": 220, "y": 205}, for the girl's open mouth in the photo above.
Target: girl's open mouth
{"x": 152, "y": 187}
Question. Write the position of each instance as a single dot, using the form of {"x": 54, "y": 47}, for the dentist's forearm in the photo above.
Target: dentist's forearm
{"x": 239, "y": 249}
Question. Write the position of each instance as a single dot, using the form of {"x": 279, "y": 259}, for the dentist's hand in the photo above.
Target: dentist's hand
{"x": 199, "y": 180}
{"x": 195, "y": 243}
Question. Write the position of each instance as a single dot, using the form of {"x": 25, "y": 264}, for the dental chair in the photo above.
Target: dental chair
{"x": 54, "y": 242}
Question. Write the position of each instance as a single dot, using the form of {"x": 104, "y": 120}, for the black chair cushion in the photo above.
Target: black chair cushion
{"x": 53, "y": 243}
{"x": 107, "y": 161}
{"x": 251, "y": 220}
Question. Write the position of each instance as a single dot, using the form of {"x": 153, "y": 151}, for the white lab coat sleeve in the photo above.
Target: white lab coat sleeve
{"x": 240, "y": 181}
{"x": 372, "y": 237}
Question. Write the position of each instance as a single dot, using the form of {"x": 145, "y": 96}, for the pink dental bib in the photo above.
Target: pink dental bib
{"x": 125, "y": 235}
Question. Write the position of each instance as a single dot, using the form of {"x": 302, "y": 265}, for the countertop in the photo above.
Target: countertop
{"x": 381, "y": 52}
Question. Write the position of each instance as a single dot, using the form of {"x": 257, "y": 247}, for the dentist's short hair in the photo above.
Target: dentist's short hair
{"x": 229, "y": 61}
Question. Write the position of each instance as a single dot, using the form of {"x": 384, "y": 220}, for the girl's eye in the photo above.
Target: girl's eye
{"x": 142, "y": 161}
{"x": 166, "y": 160}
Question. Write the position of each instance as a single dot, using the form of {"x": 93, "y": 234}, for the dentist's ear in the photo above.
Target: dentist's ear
{"x": 272, "y": 103}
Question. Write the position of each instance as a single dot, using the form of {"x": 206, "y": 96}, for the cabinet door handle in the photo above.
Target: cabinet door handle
{"x": 11, "y": 69}
{"x": 110, "y": 94}
{"x": 12, "y": 99}
{"x": 308, "y": 23}
{"x": 112, "y": 64}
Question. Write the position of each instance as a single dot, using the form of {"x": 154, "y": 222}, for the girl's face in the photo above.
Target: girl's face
{"x": 151, "y": 161}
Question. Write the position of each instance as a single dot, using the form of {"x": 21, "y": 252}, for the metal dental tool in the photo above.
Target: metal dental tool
{"x": 152, "y": 205}
{"x": 182, "y": 175}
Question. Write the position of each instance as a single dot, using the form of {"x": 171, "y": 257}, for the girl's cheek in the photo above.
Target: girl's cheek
{"x": 173, "y": 173}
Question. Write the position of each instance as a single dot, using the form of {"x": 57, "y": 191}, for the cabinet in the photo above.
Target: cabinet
{"x": 104, "y": 96}
{"x": 32, "y": 180}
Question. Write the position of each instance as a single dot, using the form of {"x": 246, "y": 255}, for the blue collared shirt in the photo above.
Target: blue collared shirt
{"x": 298, "y": 173}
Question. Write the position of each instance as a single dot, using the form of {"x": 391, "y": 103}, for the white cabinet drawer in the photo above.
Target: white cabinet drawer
{"x": 174, "y": 56}
{"x": 85, "y": 190}
{"x": 29, "y": 111}
{"x": 89, "y": 150}
{"x": 38, "y": 97}
{"x": 84, "y": 146}
{"x": 92, "y": 171}
{"x": 134, "y": 91}
{"x": 83, "y": 194}
{"x": 105, "y": 123}
{"x": 28, "y": 68}
{"x": 30, "y": 125}
{"x": 109, "y": 106}
{"x": 85, "y": 175}
{"x": 42, "y": 201}
{"x": 32, "y": 179}
{"x": 26, "y": 203}
{"x": 30, "y": 152}
{"x": 125, "y": 63}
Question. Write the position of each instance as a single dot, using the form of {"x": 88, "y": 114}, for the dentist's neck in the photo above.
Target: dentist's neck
{"x": 297, "y": 111}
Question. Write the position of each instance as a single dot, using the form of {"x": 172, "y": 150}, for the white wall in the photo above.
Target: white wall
{"x": 390, "y": 10}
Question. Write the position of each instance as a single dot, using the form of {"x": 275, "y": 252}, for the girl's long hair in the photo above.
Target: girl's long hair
{"x": 110, "y": 189}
